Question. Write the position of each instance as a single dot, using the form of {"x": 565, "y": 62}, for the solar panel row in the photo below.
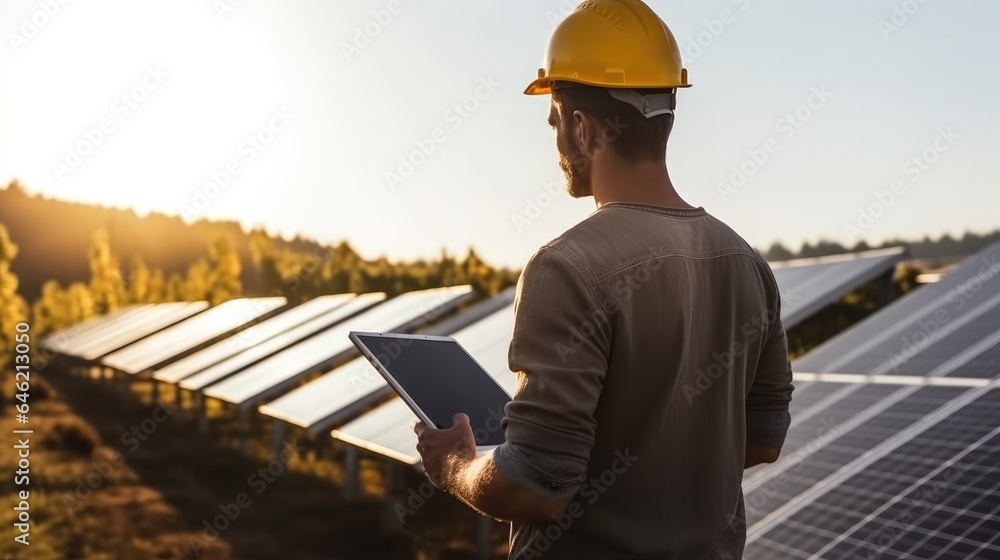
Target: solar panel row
{"x": 175, "y": 340}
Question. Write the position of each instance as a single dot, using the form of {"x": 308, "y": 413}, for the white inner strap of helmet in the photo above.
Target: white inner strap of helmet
{"x": 650, "y": 105}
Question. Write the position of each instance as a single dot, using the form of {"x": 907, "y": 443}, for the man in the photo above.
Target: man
{"x": 652, "y": 365}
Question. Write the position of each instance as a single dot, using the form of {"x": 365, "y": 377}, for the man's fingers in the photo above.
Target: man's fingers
{"x": 418, "y": 427}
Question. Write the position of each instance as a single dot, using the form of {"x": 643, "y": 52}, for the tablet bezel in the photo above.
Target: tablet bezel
{"x": 387, "y": 375}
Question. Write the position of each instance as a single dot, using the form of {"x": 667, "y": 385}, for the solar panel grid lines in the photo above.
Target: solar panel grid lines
{"x": 825, "y": 429}
{"x": 257, "y": 334}
{"x": 278, "y": 343}
{"x": 79, "y": 343}
{"x": 948, "y": 493}
{"x": 865, "y": 460}
{"x": 54, "y": 341}
{"x": 972, "y": 281}
{"x": 910, "y": 350}
{"x": 95, "y": 350}
{"x": 825, "y": 456}
{"x": 324, "y": 350}
{"x": 162, "y": 346}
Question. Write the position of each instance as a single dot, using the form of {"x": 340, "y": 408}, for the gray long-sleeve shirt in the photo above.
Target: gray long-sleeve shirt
{"x": 649, "y": 353}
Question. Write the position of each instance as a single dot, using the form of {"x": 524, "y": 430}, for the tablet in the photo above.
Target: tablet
{"x": 438, "y": 378}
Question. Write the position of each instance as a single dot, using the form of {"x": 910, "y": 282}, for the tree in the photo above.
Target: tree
{"x": 156, "y": 292}
{"x": 49, "y": 313}
{"x": 265, "y": 262}
{"x": 139, "y": 282}
{"x": 778, "y": 252}
{"x": 196, "y": 284}
{"x": 106, "y": 287}
{"x": 175, "y": 288}
{"x": 224, "y": 278}
{"x": 13, "y": 309}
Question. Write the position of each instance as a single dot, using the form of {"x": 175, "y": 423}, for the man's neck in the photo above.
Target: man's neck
{"x": 643, "y": 183}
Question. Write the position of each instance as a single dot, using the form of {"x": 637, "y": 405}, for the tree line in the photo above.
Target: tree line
{"x": 295, "y": 274}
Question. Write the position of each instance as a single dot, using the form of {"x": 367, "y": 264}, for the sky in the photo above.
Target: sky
{"x": 402, "y": 126}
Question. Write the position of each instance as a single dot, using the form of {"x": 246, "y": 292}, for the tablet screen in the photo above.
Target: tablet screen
{"x": 443, "y": 380}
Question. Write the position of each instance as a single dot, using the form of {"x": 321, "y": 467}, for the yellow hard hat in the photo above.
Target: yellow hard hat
{"x": 612, "y": 44}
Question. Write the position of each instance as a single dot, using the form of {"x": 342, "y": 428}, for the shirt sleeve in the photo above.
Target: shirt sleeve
{"x": 771, "y": 391}
{"x": 559, "y": 353}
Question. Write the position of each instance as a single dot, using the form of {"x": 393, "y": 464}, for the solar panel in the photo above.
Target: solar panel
{"x": 889, "y": 338}
{"x": 54, "y": 341}
{"x": 330, "y": 346}
{"x": 386, "y": 430}
{"x": 330, "y": 398}
{"x": 876, "y": 484}
{"x": 72, "y": 345}
{"x": 127, "y": 333}
{"x": 270, "y": 346}
{"x": 185, "y": 335}
{"x": 936, "y": 495}
{"x": 808, "y": 285}
{"x": 250, "y": 337}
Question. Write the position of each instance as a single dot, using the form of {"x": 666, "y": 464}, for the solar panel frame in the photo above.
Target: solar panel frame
{"x": 260, "y": 352}
{"x": 78, "y": 344}
{"x": 257, "y": 334}
{"x": 174, "y": 341}
{"x": 271, "y": 376}
{"x": 809, "y": 285}
{"x": 135, "y": 332}
{"x": 89, "y": 327}
{"x": 869, "y": 343}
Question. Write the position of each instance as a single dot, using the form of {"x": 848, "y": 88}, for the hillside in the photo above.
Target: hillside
{"x": 54, "y": 236}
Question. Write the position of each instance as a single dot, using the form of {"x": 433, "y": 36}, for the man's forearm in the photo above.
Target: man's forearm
{"x": 479, "y": 484}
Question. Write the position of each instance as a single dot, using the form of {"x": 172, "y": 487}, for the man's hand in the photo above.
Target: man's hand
{"x": 439, "y": 448}
{"x": 756, "y": 455}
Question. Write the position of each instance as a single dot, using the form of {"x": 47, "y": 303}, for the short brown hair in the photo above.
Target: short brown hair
{"x": 640, "y": 138}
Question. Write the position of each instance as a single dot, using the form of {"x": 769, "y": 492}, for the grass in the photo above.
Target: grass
{"x": 99, "y": 492}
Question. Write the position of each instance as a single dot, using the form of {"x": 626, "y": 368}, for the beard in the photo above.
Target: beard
{"x": 576, "y": 168}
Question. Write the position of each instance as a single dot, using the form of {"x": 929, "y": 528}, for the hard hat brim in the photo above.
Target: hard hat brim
{"x": 543, "y": 86}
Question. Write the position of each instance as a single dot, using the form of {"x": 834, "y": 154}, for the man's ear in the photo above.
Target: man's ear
{"x": 584, "y": 130}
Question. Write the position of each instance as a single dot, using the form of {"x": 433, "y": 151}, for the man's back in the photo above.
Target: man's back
{"x": 641, "y": 335}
